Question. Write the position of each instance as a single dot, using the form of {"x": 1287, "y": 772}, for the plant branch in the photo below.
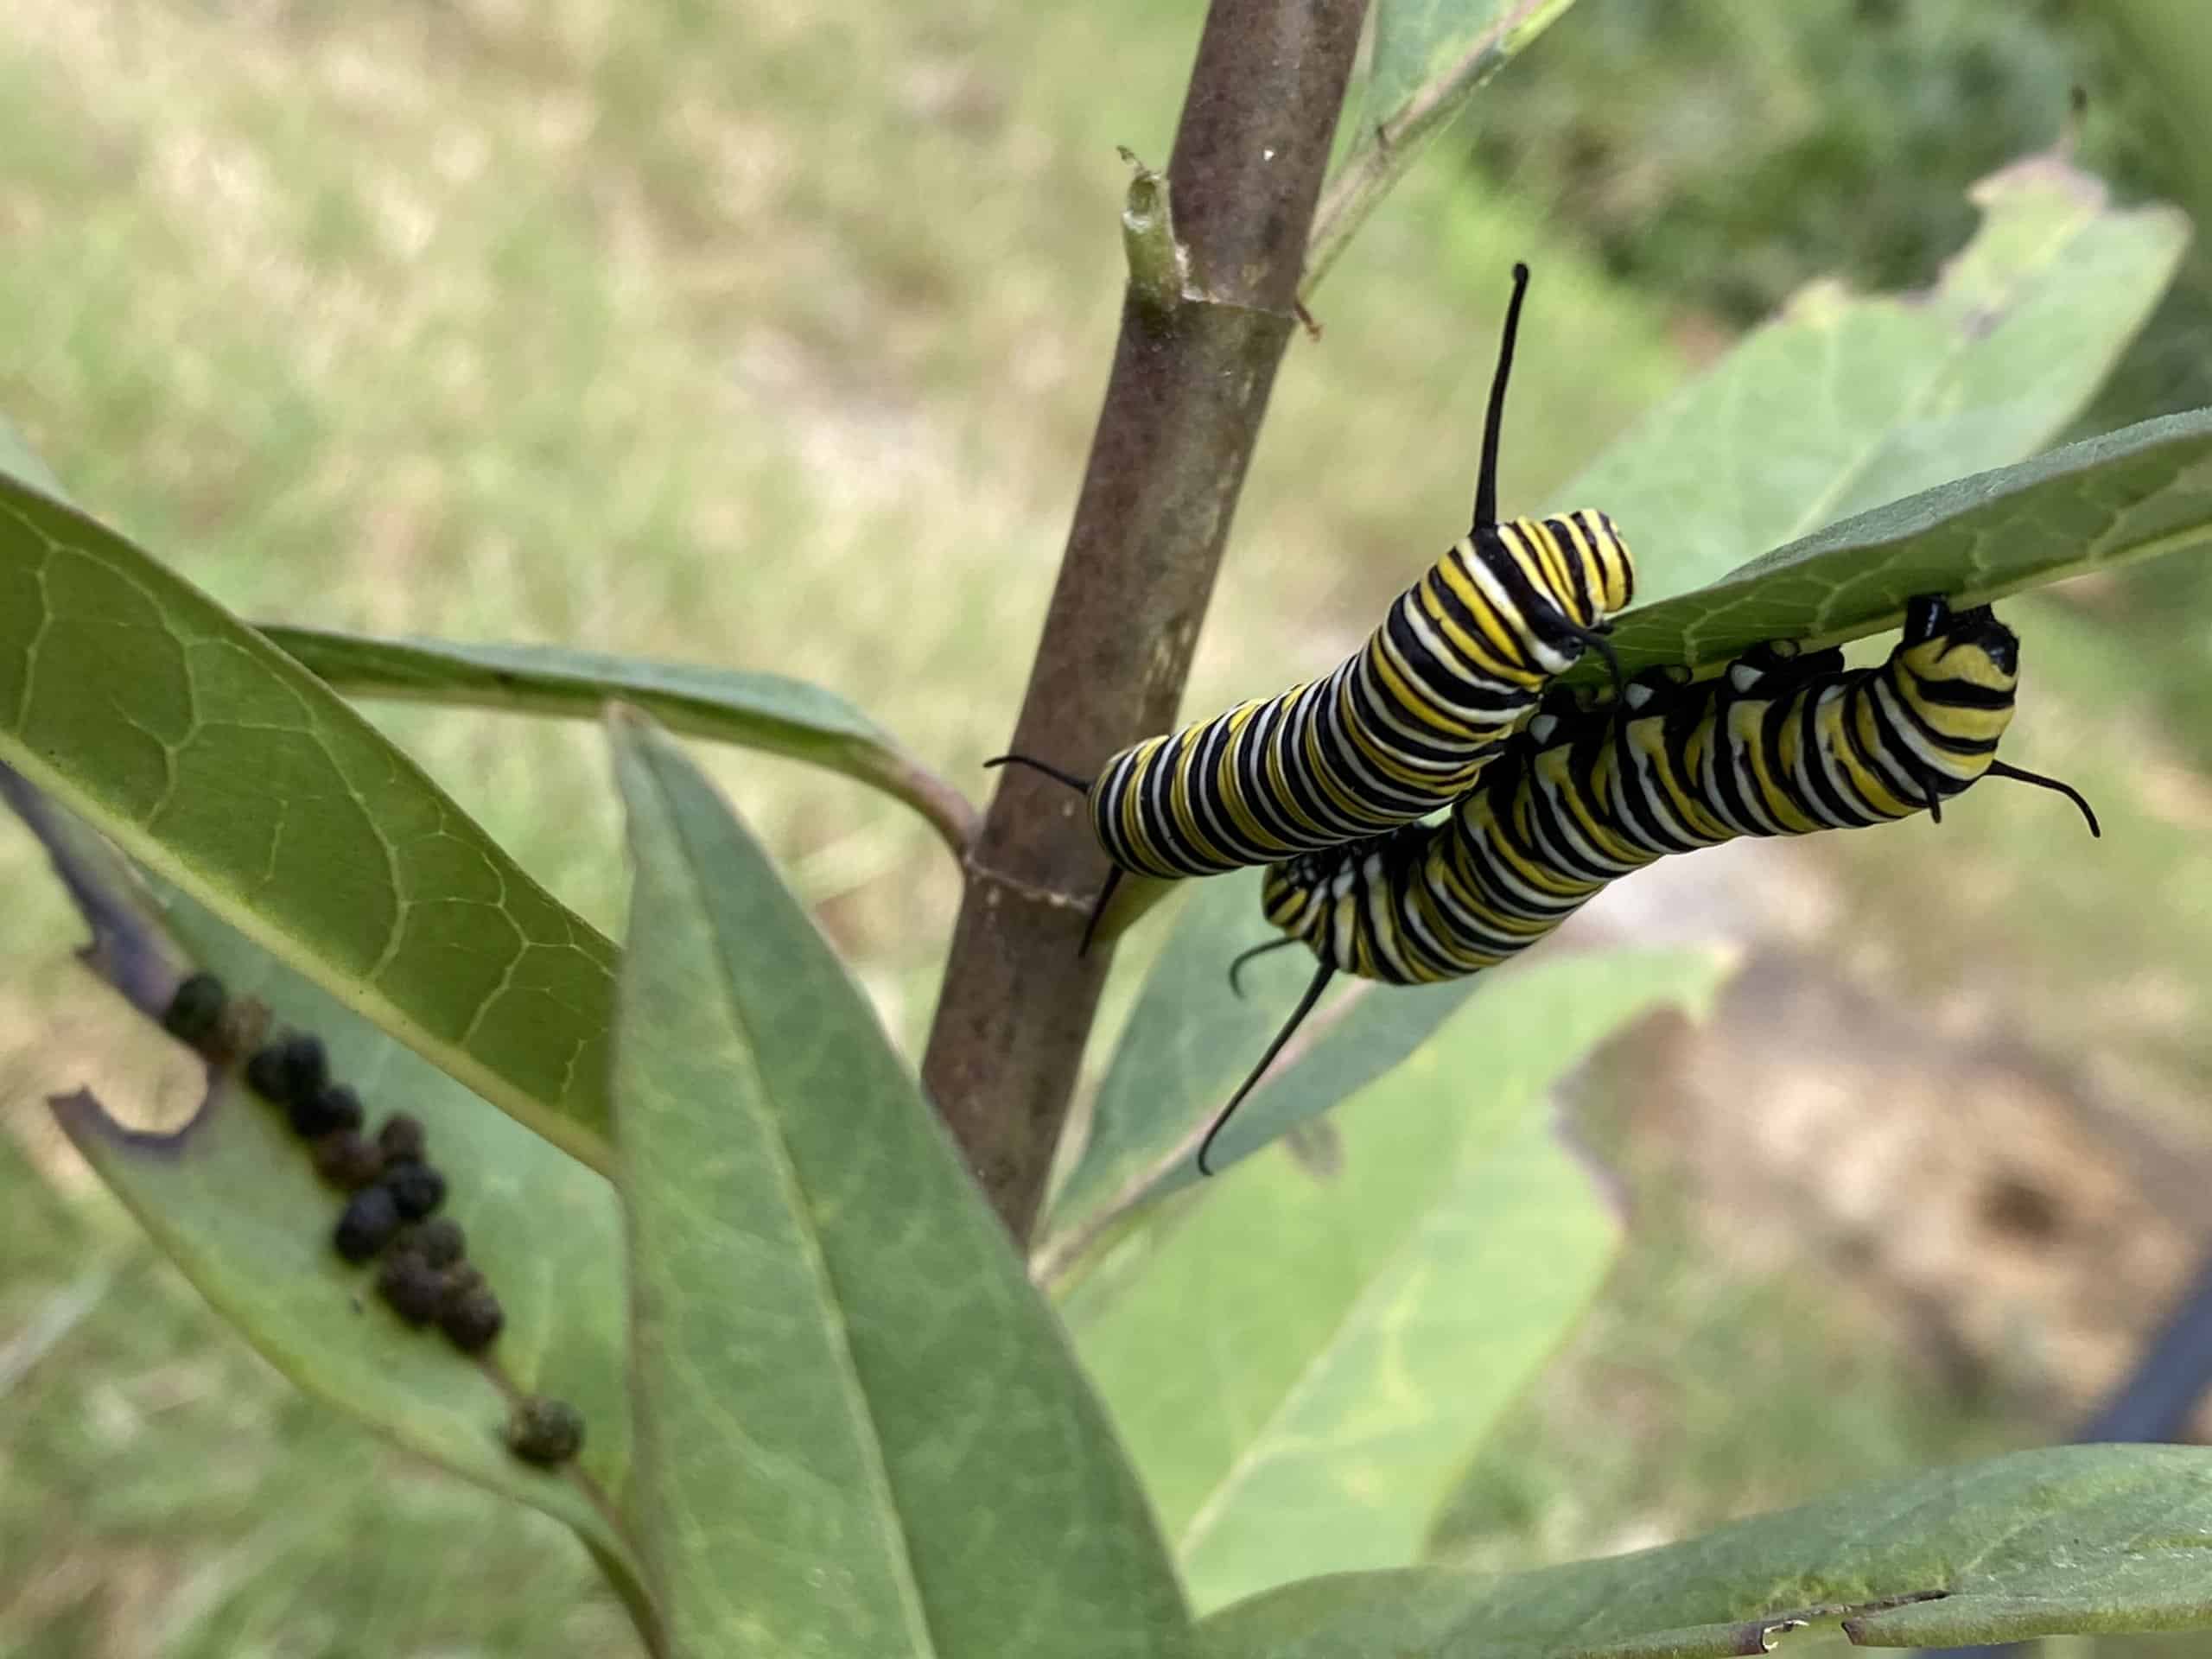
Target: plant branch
{"x": 766, "y": 712}
{"x": 1182, "y": 412}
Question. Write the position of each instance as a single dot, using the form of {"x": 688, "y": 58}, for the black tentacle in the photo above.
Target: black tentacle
{"x": 1320, "y": 983}
{"x": 1098, "y": 910}
{"x": 1244, "y": 956}
{"x": 1486, "y": 479}
{"x": 2021, "y": 775}
{"x": 1081, "y": 786}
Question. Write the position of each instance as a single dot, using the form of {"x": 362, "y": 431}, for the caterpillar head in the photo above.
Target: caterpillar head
{"x": 1577, "y": 561}
{"x": 1609, "y": 566}
{"x": 1969, "y": 647}
{"x": 1965, "y": 665}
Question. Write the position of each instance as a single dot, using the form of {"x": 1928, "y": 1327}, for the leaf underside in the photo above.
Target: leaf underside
{"x": 2140, "y": 492}
{"x": 232, "y": 1199}
{"x": 1375, "y": 1307}
{"x": 768, "y": 712}
{"x": 1844, "y": 402}
{"x": 2072, "y": 1540}
{"x": 222, "y": 766}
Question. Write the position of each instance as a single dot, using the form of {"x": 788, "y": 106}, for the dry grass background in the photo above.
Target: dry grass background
{"x": 770, "y": 336}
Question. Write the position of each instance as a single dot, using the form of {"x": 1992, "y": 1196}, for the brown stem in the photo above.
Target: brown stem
{"x": 1183, "y": 407}
{"x": 947, "y": 811}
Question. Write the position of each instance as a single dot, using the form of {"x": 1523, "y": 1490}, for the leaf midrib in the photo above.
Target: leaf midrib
{"x": 1387, "y": 1271}
{"x": 861, "y": 1412}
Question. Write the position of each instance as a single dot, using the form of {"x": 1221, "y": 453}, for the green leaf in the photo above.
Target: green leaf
{"x": 860, "y": 1430}
{"x": 232, "y": 1198}
{"x": 760, "y": 711}
{"x": 1848, "y": 401}
{"x": 1430, "y": 55}
{"x": 2077, "y": 1538}
{"x": 1190, "y": 1041}
{"x": 2144, "y": 491}
{"x": 217, "y": 762}
{"x": 1372, "y": 1319}
{"x": 1425, "y": 46}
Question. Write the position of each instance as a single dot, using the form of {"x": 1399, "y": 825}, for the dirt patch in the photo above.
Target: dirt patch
{"x": 61, "y": 1030}
{"x": 2021, "y": 1231}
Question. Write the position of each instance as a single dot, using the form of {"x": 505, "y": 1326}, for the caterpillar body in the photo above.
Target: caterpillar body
{"x": 1402, "y": 727}
{"x": 1781, "y": 742}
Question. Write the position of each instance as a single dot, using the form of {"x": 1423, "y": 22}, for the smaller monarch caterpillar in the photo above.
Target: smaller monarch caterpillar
{"x": 1781, "y": 742}
{"x": 1399, "y": 728}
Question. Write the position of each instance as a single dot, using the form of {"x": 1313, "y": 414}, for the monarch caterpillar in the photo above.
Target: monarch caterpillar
{"x": 1781, "y": 742}
{"x": 1402, "y": 726}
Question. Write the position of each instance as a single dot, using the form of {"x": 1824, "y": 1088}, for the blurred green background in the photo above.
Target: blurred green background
{"x": 771, "y": 335}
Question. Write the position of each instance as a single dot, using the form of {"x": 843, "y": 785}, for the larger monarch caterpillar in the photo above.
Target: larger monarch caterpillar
{"x": 1781, "y": 743}
{"x": 1402, "y": 726}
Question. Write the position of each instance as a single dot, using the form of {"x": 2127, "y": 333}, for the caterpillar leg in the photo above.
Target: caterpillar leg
{"x": 1098, "y": 910}
{"x": 1082, "y": 786}
{"x": 1929, "y": 797}
{"x": 1596, "y": 640}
